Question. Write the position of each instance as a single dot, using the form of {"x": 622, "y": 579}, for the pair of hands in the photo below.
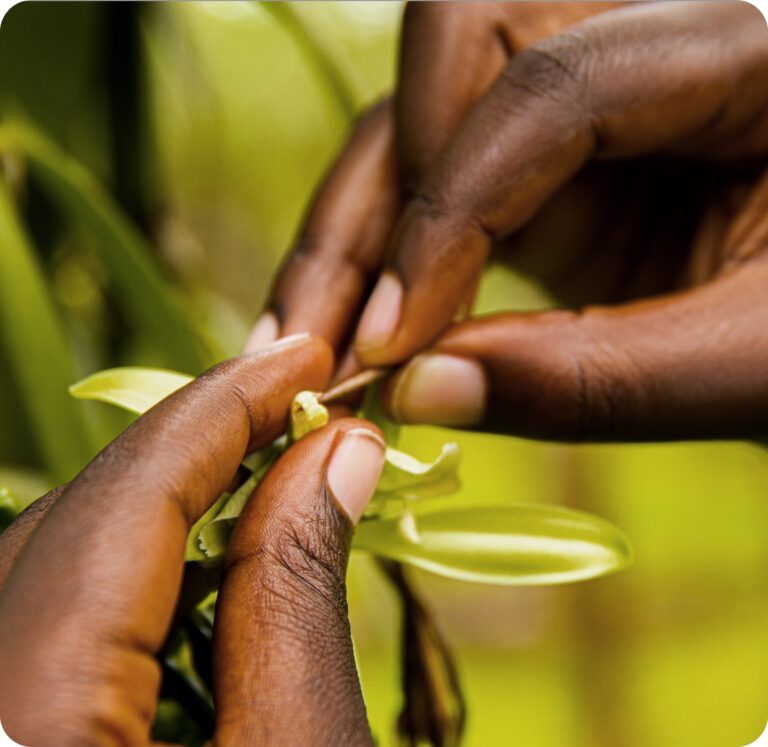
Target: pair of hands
{"x": 510, "y": 136}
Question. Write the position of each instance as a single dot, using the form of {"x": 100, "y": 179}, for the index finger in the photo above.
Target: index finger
{"x": 451, "y": 53}
{"x": 325, "y": 278}
{"x": 91, "y": 596}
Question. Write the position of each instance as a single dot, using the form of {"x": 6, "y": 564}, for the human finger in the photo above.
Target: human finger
{"x": 283, "y": 661}
{"x": 651, "y": 77}
{"x": 686, "y": 365}
{"x": 341, "y": 246}
{"x": 91, "y": 595}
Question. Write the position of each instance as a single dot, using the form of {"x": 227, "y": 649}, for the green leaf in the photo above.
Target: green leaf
{"x": 513, "y": 545}
{"x": 38, "y": 355}
{"x": 134, "y": 388}
{"x": 147, "y": 298}
{"x": 212, "y": 536}
{"x": 407, "y": 476}
{"x": 406, "y": 479}
{"x": 193, "y": 550}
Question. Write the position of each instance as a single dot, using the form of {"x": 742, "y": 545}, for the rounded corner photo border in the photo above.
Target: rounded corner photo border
{"x": 761, "y": 5}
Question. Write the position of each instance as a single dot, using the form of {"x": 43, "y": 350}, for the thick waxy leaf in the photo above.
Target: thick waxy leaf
{"x": 512, "y": 545}
{"x": 213, "y": 537}
{"x": 193, "y": 550}
{"x": 406, "y": 479}
{"x": 133, "y": 389}
{"x": 411, "y": 478}
{"x": 39, "y": 364}
{"x": 209, "y": 537}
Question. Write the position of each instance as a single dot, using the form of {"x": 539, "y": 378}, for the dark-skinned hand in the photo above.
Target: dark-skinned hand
{"x": 90, "y": 574}
{"x": 616, "y": 154}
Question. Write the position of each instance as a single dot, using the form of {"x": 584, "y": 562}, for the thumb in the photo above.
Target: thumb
{"x": 284, "y": 669}
{"x": 688, "y": 365}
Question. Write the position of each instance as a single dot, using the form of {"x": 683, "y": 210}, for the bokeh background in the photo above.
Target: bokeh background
{"x": 155, "y": 161}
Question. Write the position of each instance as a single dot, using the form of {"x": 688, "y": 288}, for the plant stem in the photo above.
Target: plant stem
{"x": 434, "y": 710}
{"x": 352, "y": 384}
{"x": 321, "y": 61}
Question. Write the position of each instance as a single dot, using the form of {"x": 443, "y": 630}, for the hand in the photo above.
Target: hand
{"x": 90, "y": 575}
{"x": 615, "y": 154}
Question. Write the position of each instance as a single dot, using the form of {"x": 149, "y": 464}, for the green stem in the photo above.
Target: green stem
{"x": 433, "y": 709}
{"x": 316, "y": 55}
{"x": 152, "y": 302}
{"x": 39, "y": 360}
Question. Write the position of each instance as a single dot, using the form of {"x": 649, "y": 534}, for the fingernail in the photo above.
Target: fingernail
{"x": 441, "y": 390}
{"x": 284, "y": 342}
{"x": 355, "y": 469}
{"x": 265, "y": 331}
{"x": 382, "y": 313}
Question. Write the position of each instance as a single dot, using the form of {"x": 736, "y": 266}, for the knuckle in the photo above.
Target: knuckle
{"x": 607, "y": 392}
{"x": 373, "y": 116}
{"x": 429, "y": 204}
{"x": 445, "y": 206}
{"x": 441, "y": 220}
{"x": 241, "y": 379}
{"x": 557, "y": 67}
{"x": 308, "y": 551}
{"x": 595, "y": 405}
{"x": 253, "y": 407}
{"x": 308, "y": 247}
{"x": 328, "y": 252}
{"x": 301, "y": 565}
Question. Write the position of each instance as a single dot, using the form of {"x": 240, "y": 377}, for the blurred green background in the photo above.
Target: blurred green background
{"x": 156, "y": 159}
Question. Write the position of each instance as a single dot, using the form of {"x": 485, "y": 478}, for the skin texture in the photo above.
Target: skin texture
{"x": 91, "y": 574}
{"x": 341, "y": 245}
{"x": 614, "y": 153}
